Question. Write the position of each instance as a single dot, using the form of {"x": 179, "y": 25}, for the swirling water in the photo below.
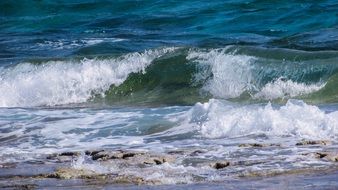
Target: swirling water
{"x": 161, "y": 75}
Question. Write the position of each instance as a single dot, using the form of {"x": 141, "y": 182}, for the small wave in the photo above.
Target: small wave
{"x": 65, "y": 82}
{"x": 217, "y": 119}
{"x": 70, "y": 44}
{"x": 286, "y": 88}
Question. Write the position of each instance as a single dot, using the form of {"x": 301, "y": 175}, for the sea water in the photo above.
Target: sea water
{"x": 167, "y": 75}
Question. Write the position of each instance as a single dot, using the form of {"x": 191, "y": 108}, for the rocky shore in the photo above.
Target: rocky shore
{"x": 136, "y": 167}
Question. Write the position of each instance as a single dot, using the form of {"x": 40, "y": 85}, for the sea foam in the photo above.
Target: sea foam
{"x": 229, "y": 74}
{"x": 216, "y": 119}
{"x": 63, "y": 82}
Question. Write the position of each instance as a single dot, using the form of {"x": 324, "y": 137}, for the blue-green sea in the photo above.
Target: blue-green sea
{"x": 160, "y": 76}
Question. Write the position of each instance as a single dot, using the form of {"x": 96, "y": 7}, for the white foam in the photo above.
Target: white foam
{"x": 216, "y": 119}
{"x": 286, "y": 88}
{"x": 66, "y": 44}
{"x": 64, "y": 82}
{"x": 231, "y": 73}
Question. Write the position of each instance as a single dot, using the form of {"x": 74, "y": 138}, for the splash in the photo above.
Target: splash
{"x": 217, "y": 119}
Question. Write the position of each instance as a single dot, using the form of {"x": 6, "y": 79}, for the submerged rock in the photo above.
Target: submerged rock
{"x": 64, "y": 156}
{"x": 313, "y": 142}
{"x": 328, "y": 156}
{"x": 257, "y": 145}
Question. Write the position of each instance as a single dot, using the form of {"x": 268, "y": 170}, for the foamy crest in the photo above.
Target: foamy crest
{"x": 228, "y": 75}
{"x": 221, "y": 119}
{"x": 64, "y": 82}
{"x": 231, "y": 74}
{"x": 286, "y": 88}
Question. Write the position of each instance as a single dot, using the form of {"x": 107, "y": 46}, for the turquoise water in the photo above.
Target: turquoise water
{"x": 163, "y": 75}
{"x": 45, "y": 29}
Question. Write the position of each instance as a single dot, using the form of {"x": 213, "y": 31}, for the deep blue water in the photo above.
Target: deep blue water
{"x": 26, "y": 26}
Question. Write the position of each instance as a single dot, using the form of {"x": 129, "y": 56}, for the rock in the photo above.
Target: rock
{"x": 92, "y": 152}
{"x": 132, "y": 158}
{"x": 181, "y": 152}
{"x": 105, "y": 155}
{"x": 158, "y": 159}
{"x": 248, "y": 162}
{"x": 313, "y": 142}
{"x": 329, "y": 156}
{"x": 196, "y": 152}
{"x": 64, "y": 156}
{"x": 220, "y": 164}
{"x": 126, "y": 179}
{"x": 257, "y": 145}
{"x": 70, "y": 173}
{"x": 70, "y": 154}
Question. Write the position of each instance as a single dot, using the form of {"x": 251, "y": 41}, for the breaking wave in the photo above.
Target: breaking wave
{"x": 175, "y": 76}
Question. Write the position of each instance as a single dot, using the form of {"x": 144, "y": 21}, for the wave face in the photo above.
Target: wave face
{"x": 65, "y": 82}
{"x": 170, "y": 76}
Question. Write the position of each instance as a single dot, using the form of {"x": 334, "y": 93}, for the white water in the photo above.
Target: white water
{"x": 281, "y": 88}
{"x": 217, "y": 119}
{"x": 233, "y": 74}
{"x": 64, "y": 82}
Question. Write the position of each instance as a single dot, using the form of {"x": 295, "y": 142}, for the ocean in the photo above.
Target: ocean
{"x": 242, "y": 81}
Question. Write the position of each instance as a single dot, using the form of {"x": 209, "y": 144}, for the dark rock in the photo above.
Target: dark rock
{"x": 257, "y": 145}
{"x": 64, "y": 156}
{"x": 181, "y": 152}
{"x": 329, "y": 156}
{"x": 70, "y": 154}
{"x": 196, "y": 152}
{"x": 313, "y": 142}
{"x": 105, "y": 155}
{"x": 127, "y": 155}
{"x": 93, "y": 152}
{"x": 220, "y": 165}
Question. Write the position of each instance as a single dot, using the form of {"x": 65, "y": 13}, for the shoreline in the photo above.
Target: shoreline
{"x": 138, "y": 169}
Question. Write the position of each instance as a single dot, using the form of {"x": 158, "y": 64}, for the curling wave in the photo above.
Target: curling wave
{"x": 174, "y": 76}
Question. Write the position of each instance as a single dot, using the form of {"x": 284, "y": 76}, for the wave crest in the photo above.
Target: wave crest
{"x": 64, "y": 82}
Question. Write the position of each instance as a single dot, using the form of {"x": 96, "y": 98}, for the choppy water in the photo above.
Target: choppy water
{"x": 165, "y": 75}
